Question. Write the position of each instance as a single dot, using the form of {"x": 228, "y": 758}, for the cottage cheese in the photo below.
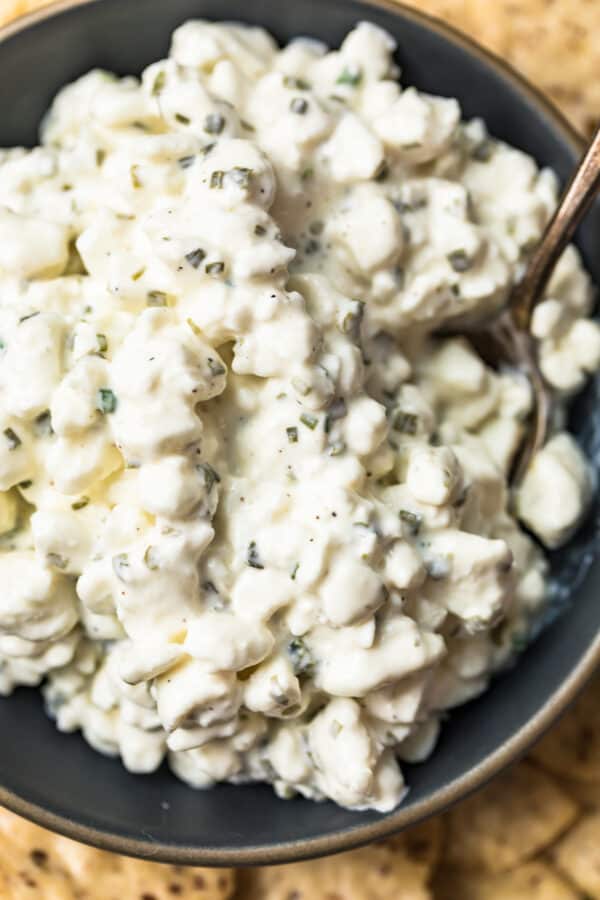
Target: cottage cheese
{"x": 255, "y": 516}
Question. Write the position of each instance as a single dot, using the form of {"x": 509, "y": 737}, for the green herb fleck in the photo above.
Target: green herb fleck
{"x": 156, "y": 298}
{"x": 247, "y": 125}
{"x": 337, "y": 448}
{"x": 482, "y": 152}
{"x": 307, "y": 173}
{"x": 150, "y": 558}
{"x": 56, "y": 560}
{"x": 309, "y": 420}
{"x": 302, "y": 659}
{"x": 460, "y": 261}
{"x": 186, "y": 161}
{"x": 12, "y": 438}
{"x": 100, "y": 156}
{"x": 299, "y": 106}
{"x": 137, "y": 275}
{"x": 298, "y": 84}
{"x": 29, "y": 316}
{"x": 106, "y": 401}
{"x": 43, "y": 423}
{"x": 405, "y": 422}
{"x": 120, "y": 564}
{"x": 159, "y": 83}
{"x": 253, "y": 557}
{"x": 216, "y": 179}
{"x": 353, "y": 320}
{"x": 294, "y": 571}
{"x": 135, "y": 180}
{"x": 292, "y": 434}
{"x": 210, "y": 475}
{"x": 214, "y": 123}
{"x": 215, "y": 268}
{"x": 316, "y": 228}
{"x": 215, "y": 367}
{"x": 195, "y": 257}
{"x": 412, "y": 520}
{"x": 351, "y": 75}
{"x": 102, "y": 343}
{"x": 184, "y": 120}
{"x": 260, "y": 230}
{"x": 24, "y": 485}
{"x": 79, "y": 504}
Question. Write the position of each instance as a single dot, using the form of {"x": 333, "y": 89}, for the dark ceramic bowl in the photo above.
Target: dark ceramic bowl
{"x": 58, "y": 780}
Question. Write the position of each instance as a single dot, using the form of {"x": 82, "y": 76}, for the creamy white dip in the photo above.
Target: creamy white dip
{"x": 255, "y": 514}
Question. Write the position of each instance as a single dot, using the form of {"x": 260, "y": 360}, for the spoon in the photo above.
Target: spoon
{"x": 507, "y": 340}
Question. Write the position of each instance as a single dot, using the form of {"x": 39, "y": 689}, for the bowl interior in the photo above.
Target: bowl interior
{"x": 58, "y": 779}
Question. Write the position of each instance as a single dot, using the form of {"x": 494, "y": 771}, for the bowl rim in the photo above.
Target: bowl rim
{"x": 472, "y": 779}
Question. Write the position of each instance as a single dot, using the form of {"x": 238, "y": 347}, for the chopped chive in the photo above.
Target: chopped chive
{"x": 260, "y": 230}
{"x": 351, "y": 75}
{"x": 195, "y": 257}
{"x": 298, "y": 84}
{"x": 316, "y": 228}
{"x": 183, "y": 119}
{"x": 106, "y": 401}
{"x": 207, "y": 149}
{"x": 299, "y": 106}
{"x": 247, "y": 125}
{"x": 28, "y": 316}
{"x": 210, "y": 475}
{"x": 156, "y": 298}
{"x": 292, "y": 434}
{"x": 482, "y": 152}
{"x": 352, "y": 320}
{"x": 24, "y": 485}
{"x": 150, "y": 558}
{"x": 214, "y": 123}
{"x": 412, "y": 520}
{"x": 120, "y": 563}
{"x": 337, "y": 448}
{"x": 215, "y": 268}
{"x": 12, "y": 438}
{"x": 460, "y": 261}
{"x": 100, "y": 156}
{"x": 102, "y": 343}
{"x": 294, "y": 571}
{"x": 43, "y": 423}
{"x": 159, "y": 83}
{"x": 307, "y": 173}
{"x": 253, "y": 558}
{"x": 79, "y": 504}
{"x": 405, "y": 422}
{"x": 135, "y": 180}
{"x": 309, "y": 420}
{"x": 216, "y": 368}
{"x": 186, "y": 161}
{"x": 137, "y": 275}
{"x": 56, "y": 560}
{"x": 302, "y": 659}
{"x": 216, "y": 179}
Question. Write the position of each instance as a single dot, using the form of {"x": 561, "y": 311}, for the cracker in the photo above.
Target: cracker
{"x": 34, "y": 863}
{"x": 520, "y": 813}
{"x": 572, "y": 748}
{"x": 421, "y": 843}
{"x": 554, "y": 43}
{"x": 378, "y": 872}
{"x": 532, "y": 881}
{"x": 10, "y": 9}
{"x": 577, "y": 855}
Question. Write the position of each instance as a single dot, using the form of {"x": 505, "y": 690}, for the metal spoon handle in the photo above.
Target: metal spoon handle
{"x": 575, "y": 202}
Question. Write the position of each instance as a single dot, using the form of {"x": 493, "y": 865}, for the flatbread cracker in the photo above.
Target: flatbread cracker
{"x": 378, "y": 872}
{"x": 532, "y": 881}
{"x": 520, "y": 813}
{"x": 36, "y": 864}
{"x": 572, "y": 748}
{"x": 577, "y": 855}
{"x": 422, "y": 843}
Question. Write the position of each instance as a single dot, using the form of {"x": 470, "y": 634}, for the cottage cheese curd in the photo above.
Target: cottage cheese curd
{"x": 255, "y": 514}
